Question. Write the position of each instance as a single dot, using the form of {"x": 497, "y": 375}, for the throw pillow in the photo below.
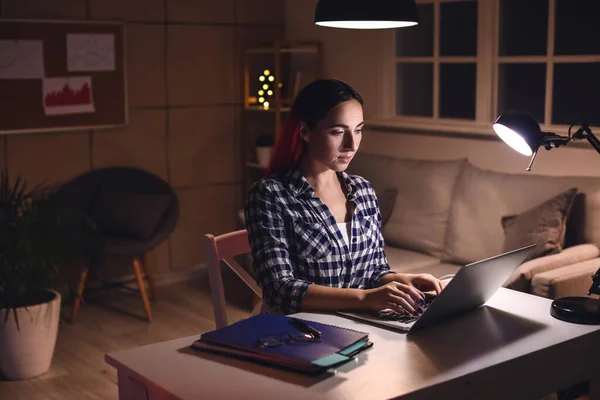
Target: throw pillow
{"x": 544, "y": 225}
{"x": 386, "y": 204}
{"x": 123, "y": 213}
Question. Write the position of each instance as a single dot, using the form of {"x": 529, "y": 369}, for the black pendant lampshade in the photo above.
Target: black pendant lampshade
{"x": 366, "y": 14}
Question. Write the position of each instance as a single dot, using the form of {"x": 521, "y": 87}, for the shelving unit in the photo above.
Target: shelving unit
{"x": 274, "y": 72}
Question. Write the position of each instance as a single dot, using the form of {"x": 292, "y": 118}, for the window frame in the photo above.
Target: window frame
{"x": 487, "y": 63}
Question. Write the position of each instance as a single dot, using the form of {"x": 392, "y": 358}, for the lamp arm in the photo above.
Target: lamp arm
{"x": 591, "y": 137}
{"x": 595, "y": 288}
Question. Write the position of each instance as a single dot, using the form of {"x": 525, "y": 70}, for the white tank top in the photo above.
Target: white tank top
{"x": 346, "y": 230}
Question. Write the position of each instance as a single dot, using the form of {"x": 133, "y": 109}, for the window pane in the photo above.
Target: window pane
{"x": 575, "y": 95}
{"x": 458, "y": 28}
{"x": 457, "y": 90}
{"x": 522, "y": 87}
{"x": 417, "y": 41}
{"x": 523, "y": 27}
{"x": 414, "y": 89}
{"x": 577, "y": 28}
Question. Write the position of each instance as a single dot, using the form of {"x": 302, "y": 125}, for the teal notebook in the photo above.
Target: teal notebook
{"x": 336, "y": 345}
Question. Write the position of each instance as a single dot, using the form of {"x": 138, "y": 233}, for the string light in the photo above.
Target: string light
{"x": 266, "y": 89}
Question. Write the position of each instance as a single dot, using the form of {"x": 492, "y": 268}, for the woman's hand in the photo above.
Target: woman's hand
{"x": 422, "y": 282}
{"x": 396, "y": 296}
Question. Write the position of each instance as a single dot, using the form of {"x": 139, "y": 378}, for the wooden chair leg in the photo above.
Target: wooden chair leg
{"x": 149, "y": 276}
{"x": 142, "y": 286}
{"x": 80, "y": 288}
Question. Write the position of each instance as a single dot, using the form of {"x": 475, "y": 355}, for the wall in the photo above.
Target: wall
{"x": 185, "y": 97}
{"x": 360, "y": 57}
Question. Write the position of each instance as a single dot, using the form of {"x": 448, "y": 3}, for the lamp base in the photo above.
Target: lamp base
{"x": 580, "y": 310}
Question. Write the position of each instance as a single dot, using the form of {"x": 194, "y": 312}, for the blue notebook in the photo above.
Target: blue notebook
{"x": 335, "y": 346}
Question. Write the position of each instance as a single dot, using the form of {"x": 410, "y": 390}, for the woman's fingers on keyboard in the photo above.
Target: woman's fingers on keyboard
{"x": 401, "y": 307}
{"x": 411, "y": 296}
{"x": 404, "y": 303}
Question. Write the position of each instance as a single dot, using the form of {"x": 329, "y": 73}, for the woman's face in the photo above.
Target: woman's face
{"x": 336, "y": 137}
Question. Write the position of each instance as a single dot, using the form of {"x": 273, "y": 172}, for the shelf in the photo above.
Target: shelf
{"x": 270, "y": 110}
{"x": 254, "y": 165}
{"x": 282, "y": 50}
{"x": 291, "y": 66}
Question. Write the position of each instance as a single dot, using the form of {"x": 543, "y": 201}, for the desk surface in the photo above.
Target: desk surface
{"x": 512, "y": 346}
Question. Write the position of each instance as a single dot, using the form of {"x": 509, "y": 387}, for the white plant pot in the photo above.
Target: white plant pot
{"x": 263, "y": 155}
{"x": 27, "y": 353}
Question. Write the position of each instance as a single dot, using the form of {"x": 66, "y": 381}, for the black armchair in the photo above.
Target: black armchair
{"x": 134, "y": 211}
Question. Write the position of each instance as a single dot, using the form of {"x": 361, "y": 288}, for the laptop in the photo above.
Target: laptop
{"x": 472, "y": 286}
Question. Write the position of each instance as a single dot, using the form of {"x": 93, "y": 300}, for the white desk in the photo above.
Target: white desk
{"x": 511, "y": 348}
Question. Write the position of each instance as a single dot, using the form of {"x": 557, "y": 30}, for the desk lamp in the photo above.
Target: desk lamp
{"x": 522, "y": 132}
{"x": 366, "y": 14}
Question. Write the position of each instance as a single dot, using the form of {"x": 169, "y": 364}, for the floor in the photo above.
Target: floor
{"x": 113, "y": 321}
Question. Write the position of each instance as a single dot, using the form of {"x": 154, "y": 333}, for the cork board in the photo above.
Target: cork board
{"x": 61, "y": 75}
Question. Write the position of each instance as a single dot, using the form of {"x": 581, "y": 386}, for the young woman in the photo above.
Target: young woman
{"x": 315, "y": 231}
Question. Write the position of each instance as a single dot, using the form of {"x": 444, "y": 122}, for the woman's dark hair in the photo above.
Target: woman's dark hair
{"x": 313, "y": 103}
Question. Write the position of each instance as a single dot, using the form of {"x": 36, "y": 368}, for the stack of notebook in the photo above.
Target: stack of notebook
{"x": 246, "y": 339}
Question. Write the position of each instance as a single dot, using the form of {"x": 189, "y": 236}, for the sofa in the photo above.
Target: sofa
{"x": 439, "y": 216}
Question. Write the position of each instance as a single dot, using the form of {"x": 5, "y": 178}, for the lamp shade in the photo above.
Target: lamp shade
{"x": 366, "y": 14}
{"x": 520, "y": 131}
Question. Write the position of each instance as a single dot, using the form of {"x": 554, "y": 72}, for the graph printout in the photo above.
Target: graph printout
{"x": 21, "y": 59}
{"x": 90, "y": 52}
{"x": 68, "y": 95}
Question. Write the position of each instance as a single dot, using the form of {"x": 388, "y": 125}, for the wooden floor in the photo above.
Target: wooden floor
{"x": 114, "y": 321}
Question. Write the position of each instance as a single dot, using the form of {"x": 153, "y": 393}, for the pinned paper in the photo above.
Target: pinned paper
{"x": 90, "y": 52}
{"x": 68, "y": 95}
{"x": 21, "y": 59}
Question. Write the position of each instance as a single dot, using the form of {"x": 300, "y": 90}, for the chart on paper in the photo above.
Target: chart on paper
{"x": 90, "y": 52}
{"x": 68, "y": 95}
{"x": 21, "y": 59}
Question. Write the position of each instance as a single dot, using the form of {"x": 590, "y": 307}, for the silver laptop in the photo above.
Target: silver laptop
{"x": 472, "y": 286}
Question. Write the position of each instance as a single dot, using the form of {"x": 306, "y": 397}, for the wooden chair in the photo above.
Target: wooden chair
{"x": 224, "y": 248}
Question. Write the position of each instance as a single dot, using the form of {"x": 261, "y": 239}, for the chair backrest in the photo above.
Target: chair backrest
{"x": 82, "y": 193}
{"x": 224, "y": 248}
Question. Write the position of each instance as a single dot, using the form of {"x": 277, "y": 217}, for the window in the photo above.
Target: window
{"x": 469, "y": 60}
{"x": 436, "y": 62}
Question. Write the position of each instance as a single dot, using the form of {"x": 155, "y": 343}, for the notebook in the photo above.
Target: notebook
{"x": 335, "y": 346}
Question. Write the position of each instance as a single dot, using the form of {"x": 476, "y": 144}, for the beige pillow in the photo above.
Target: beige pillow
{"x": 482, "y": 197}
{"x": 419, "y": 214}
{"x": 386, "y": 204}
{"x": 544, "y": 225}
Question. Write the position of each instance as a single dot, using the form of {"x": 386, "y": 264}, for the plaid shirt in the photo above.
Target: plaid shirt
{"x": 295, "y": 239}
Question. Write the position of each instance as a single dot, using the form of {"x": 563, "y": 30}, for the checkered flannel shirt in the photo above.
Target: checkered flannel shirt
{"x": 295, "y": 239}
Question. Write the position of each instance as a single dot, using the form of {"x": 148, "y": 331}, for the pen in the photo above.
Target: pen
{"x": 305, "y": 327}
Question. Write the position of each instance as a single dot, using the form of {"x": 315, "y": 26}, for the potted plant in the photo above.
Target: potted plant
{"x": 264, "y": 149}
{"x": 38, "y": 234}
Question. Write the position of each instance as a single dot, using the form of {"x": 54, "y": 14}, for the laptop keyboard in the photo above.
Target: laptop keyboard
{"x": 390, "y": 315}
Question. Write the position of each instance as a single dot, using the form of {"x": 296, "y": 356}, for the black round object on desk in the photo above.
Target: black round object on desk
{"x": 580, "y": 310}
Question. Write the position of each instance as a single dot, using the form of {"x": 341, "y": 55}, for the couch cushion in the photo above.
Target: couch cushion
{"x": 386, "y": 204}
{"x": 420, "y": 214}
{"x": 521, "y": 278}
{"x": 401, "y": 260}
{"x": 482, "y": 198}
{"x": 438, "y": 270}
{"x": 544, "y": 225}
